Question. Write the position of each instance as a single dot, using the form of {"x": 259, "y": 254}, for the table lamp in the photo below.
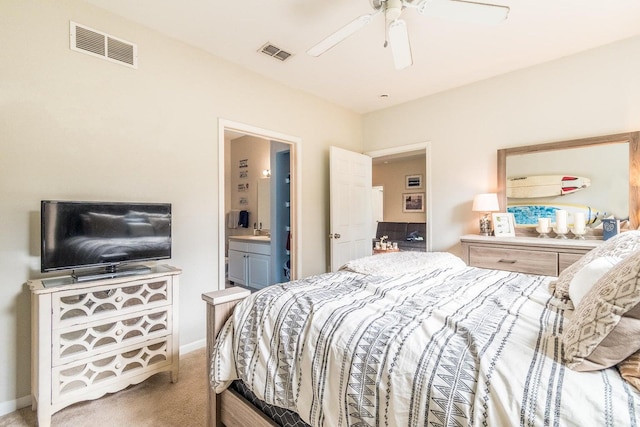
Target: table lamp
{"x": 485, "y": 203}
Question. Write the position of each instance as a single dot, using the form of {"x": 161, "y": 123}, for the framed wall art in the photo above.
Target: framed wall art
{"x": 413, "y": 202}
{"x": 413, "y": 182}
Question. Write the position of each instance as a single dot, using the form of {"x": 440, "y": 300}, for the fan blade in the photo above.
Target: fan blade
{"x": 340, "y": 35}
{"x": 480, "y": 13}
{"x": 400, "y": 46}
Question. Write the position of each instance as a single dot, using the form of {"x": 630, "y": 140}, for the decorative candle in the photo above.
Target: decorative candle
{"x": 578, "y": 222}
{"x": 561, "y": 221}
{"x": 543, "y": 224}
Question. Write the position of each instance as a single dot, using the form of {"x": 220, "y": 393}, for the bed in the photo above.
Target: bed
{"x": 417, "y": 339}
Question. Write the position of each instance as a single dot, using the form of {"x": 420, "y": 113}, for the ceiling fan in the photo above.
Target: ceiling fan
{"x": 396, "y": 34}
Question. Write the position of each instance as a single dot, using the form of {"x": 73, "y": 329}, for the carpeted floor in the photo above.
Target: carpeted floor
{"x": 154, "y": 402}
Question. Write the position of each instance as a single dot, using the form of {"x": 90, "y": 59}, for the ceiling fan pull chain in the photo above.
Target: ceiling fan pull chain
{"x": 386, "y": 31}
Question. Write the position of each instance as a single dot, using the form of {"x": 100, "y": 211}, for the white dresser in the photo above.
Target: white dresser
{"x": 100, "y": 336}
{"x": 532, "y": 255}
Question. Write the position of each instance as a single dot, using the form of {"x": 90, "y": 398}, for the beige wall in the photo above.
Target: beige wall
{"x": 391, "y": 176}
{"x": 77, "y": 127}
{"x": 592, "y": 93}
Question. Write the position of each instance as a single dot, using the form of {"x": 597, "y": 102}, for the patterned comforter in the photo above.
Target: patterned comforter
{"x": 446, "y": 346}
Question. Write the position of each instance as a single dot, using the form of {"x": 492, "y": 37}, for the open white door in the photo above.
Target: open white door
{"x": 350, "y": 210}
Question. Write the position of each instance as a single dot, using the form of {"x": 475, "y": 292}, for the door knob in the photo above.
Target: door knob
{"x": 336, "y": 236}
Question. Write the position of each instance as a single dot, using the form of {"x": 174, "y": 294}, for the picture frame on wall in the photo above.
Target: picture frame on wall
{"x": 503, "y": 225}
{"x": 413, "y": 202}
{"x": 413, "y": 182}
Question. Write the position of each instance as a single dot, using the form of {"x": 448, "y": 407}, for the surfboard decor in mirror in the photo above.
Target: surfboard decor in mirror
{"x": 597, "y": 176}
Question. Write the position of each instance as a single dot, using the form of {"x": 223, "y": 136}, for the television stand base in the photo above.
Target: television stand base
{"x": 110, "y": 274}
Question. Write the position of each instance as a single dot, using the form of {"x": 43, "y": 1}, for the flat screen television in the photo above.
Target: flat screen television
{"x": 84, "y": 235}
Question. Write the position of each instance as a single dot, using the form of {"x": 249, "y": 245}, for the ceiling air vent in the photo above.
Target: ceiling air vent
{"x": 95, "y": 43}
{"x": 275, "y": 52}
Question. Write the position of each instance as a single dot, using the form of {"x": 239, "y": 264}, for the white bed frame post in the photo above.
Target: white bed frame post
{"x": 227, "y": 408}
{"x": 220, "y": 305}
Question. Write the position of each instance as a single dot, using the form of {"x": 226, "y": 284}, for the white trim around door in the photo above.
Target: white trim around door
{"x": 296, "y": 192}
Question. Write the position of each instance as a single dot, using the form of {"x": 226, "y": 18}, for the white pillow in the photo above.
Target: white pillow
{"x": 586, "y": 277}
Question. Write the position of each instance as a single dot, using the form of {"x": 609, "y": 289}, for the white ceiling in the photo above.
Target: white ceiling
{"x": 446, "y": 54}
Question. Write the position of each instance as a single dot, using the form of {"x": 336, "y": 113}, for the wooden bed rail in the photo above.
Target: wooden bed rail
{"x": 228, "y": 408}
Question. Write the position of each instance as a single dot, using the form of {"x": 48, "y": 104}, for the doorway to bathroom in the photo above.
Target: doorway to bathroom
{"x": 259, "y": 221}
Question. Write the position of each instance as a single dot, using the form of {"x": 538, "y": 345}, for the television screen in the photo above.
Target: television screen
{"x": 92, "y": 234}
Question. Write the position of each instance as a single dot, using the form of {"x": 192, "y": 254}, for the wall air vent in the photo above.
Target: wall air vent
{"x": 275, "y": 52}
{"x": 95, "y": 43}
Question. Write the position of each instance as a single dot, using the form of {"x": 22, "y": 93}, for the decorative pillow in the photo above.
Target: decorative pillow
{"x": 398, "y": 263}
{"x": 605, "y": 327}
{"x": 584, "y": 279}
{"x": 619, "y": 246}
{"x": 630, "y": 369}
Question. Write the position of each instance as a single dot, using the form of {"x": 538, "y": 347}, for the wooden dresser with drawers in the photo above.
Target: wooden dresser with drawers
{"x": 532, "y": 255}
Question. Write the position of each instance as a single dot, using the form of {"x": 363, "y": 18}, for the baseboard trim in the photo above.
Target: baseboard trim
{"x": 24, "y": 401}
{"x": 13, "y": 405}
{"x": 196, "y": 345}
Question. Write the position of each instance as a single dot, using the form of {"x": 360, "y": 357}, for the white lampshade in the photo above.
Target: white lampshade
{"x": 487, "y": 202}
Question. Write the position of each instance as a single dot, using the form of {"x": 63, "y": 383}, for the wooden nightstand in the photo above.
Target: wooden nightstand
{"x": 532, "y": 255}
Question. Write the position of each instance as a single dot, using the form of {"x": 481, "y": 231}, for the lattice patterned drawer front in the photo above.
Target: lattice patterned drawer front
{"x": 98, "y": 337}
{"x": 77, "y": 306}
{"x": 109, "y": 370}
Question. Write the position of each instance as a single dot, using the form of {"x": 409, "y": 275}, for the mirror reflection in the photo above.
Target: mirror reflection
{"x": 592, "y": 180}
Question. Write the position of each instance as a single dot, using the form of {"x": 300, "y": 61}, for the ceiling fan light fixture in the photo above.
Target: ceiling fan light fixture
{"x": 392, "y": 10}
{"x": 466, "y": 11}
{"x": 339, "y": 35}
{"x": 400, "y": 46}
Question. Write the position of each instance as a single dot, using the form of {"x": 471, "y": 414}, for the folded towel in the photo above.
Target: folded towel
{"x": 243, "y": 219}
{"x": 233, "y": 217}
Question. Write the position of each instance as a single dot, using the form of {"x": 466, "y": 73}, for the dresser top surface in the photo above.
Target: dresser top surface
{"x": 532, "y": 241}
{"x": 40, "y": 286}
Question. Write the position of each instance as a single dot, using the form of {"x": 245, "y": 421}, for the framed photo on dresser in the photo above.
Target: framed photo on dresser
{"x": 503, "y": 225}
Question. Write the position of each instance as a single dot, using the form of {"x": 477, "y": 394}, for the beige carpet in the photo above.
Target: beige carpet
{"x": 154, "y": 402}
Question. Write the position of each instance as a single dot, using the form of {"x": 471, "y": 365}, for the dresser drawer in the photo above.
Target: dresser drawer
{"x": 103, "y": 373}
{"x": 91, "y": 338}
{"x": 518, "y": 260}
{"x": 78, "y": 306}
{"x": 566, "y": 260}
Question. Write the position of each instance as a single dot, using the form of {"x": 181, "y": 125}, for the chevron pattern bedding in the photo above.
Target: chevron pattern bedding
{"x": 447, "y": 346}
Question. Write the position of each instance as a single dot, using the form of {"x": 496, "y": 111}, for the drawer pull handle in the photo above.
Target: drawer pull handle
{"x": 119, "y": 332}
{"x": 508, "y": 261}
{"x": 118, "y": 299}
{"x": 118, "y": 365}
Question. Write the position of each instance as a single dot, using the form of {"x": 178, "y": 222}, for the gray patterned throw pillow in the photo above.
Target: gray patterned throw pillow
{"x": 620, "y": 246}
{"x": 605, "y": 327}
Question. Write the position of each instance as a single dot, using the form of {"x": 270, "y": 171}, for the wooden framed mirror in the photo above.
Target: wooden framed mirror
{"x": 630, "y": 138}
